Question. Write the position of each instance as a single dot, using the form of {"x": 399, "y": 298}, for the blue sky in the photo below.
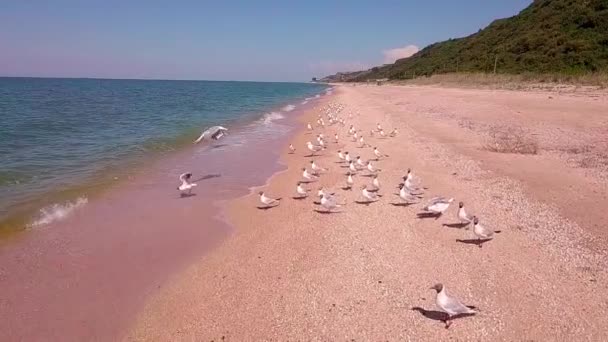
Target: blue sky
{"x": 226, "y": 40}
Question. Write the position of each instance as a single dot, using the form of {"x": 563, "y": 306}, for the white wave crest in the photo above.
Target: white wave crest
{"x": 304, "y": 102}
{"x": 272, "y": 116}
{"x": 57, "y": 212}
{"x": 317, "y": 96}
{"x": 288, "y": 108}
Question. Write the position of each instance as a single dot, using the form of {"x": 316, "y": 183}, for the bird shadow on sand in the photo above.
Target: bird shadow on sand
{"x": 299, "y": 198}
{"x": 325, "y": 212}
{"x": 205, "y": 177}
{"x": 401, "y": 204}
{"x": 478, "y": 242}
{"x": 218, "y": 146}
{"x": 455, "y": 225}
{"x": 346, "y": 188}
{"x": 267, "y": 207}
{"x": 307, "y": 181}
{"x": 425, "y": 215}
{"x": 186, "y": 195}
{"x": 365, "y": 202}
{"x": 439, "y": 315}
{"x": 368, "y": 175}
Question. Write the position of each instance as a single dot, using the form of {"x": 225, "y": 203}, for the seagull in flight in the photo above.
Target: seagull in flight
{"x": 215, "y": 133}
{"x": 186, "y": 186}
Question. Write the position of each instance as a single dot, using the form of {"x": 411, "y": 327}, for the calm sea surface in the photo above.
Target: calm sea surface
{"x": 63, "y": 138}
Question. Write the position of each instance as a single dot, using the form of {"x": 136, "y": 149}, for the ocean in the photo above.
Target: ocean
{"x": 62, "y": 140}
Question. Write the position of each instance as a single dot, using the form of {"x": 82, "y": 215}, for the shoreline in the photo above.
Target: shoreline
{"x": 75, "y": 261}
{"x": 24, "y": 217}
{"x": 290, "y": 274}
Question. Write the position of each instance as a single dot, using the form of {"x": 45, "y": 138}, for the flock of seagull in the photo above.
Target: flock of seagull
{"x": 410, "y": 187}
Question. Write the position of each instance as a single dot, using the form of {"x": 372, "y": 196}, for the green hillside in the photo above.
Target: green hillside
{"x": 550, "y": 36}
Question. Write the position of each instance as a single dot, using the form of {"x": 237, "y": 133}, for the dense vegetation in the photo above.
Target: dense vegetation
{"x": 550, "y": 36}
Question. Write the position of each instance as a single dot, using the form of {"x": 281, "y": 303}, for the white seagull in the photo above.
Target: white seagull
{"x": 316, "y": 168}
{"x": 308, "y": 176}
{"x": 215, "y": 133}
{"x": 482, "y": 233}
{"x": 371, "y": 168}
{"x": 292, "y": 149}
{"x": 349, "y": 181}
{"x": 463, "y": 216}
{"x": 268, "y": 201}
{"x": 186, "y": 186}
{"x": 312, "y": 148}
{"x": 369, "y": 195}
{"x": 302, "y": 193}
{"x": 328, "y": 202}
{"x": 450, "y": 305}
{"x": 340, "y": 156}
{"x": 438, "y": 205}
{"x": 378, "y": 154}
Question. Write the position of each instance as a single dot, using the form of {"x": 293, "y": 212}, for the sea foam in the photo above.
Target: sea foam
{"x": 272, "y": 116}
{"x": 288, "y": 108}
{"x": 57, "y": 212}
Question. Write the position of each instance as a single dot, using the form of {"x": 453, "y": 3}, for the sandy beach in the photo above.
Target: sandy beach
{"x": 290, "y": 273}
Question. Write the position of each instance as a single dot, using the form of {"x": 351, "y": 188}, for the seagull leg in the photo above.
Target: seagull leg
{"x": 479, "y": 244}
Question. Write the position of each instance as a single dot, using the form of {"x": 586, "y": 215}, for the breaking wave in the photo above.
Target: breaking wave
{"x": 288, "y": 108}
{"x": 57, "y": 212}
{"x": 272, "y": 116}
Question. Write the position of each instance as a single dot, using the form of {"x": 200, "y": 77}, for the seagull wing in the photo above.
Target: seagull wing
{"x": 453, "y": 306}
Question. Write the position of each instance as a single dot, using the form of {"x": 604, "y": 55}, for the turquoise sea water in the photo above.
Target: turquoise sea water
{"x": 60, "y": 134}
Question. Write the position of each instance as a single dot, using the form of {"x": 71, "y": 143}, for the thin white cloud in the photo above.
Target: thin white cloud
{"x": 390, "y": 56}
{"x": 331, "y": 67}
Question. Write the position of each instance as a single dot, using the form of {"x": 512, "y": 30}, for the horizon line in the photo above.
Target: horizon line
{"x": 149, "y": 79}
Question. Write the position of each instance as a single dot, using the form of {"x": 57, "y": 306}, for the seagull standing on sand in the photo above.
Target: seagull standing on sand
{"x": 347, "y": 157}
{"x": 371, "y": 168}
{"x": 328, "y": 202}
{"x": 268, "y": 201}
{"x": 360, "y": 162}
{"x": 382, "y": 134}
{"x": 351, "y": 167}
{"x": 463, "y": 216}
{"x": 482, "y": 232}
{"x": 215, "y": 133}
{"x": 450, "y": 305}
{"x": 340, "y": 156}
{"x": 309, "y": 126}
{"x": 336, "y": 137}
{"x": 308, "y": 176}
{"x": 186, "y": 186}
{"x": 349, "y": 181}
{"x": 378, "y": 127}
{"x": 312, "y": 148}
{"x": 369, "y": 195}
{"x": 292, "y": 149}
{"x": 376, "y": 183}
{"x": 394, "y": 133}
{"x": 300, "y": 191}
{"x": 316, "y": 169}
{"x": 406, "y": 196}
{"x": 378, "y": 154}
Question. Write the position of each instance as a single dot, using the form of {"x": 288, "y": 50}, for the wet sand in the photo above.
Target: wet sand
{"x": 290, "y": 273}
{"x": 86, "y": 277}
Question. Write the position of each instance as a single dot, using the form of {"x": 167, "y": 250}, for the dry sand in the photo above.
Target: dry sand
{"x": 290, "y": 273}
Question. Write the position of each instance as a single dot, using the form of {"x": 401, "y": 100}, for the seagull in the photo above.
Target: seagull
{"x": 347, "y": 157}
{"x": 369, "y": 195}
{"x": 382, "y": 134}
{"x": 376, "y": 183}
{"x": 371, "y": 133}
{"x": 371, "y": 168}
{"x": 450, "y": 305}
{"x": 214, "y": 132}
{"x": 336, "y": 137}
{"x": 351, "y": 167}
{"x": 378, "y": 154}
{"x": 186, "y": 185}
{"x": 349, "y": 181}
{"x": 292, "y": 149}
{"x": 309, "y": 126}
{"x": 340, "y": 156}
{"x": 378, "y": 127}
{"x": 328, "y": 202}
{"x": 312, "y": 148}
{"x": 316, "y": 168}
{"x": 321, "y": 192}
{"x": 360, "y": 162}
{"x": 301, "y": 191}
{"x": 267, "y": 201}
{"x": 308, "y": 176}
{"x": 482, "y": 232}
{"x": 362, "y": 142}
{"x": 406, "y": 196}
{"x": 394, "y": 133}
{"x": 463, "y": 216}
{"x": 438, "y": 205}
